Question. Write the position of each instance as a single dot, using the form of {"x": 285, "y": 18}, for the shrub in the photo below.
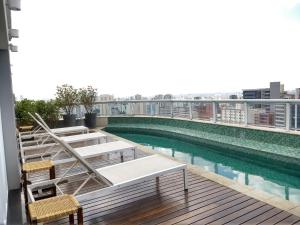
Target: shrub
{"x": 87, "y": 97}
{"x": 48, "y": 110}
{"x": 67, "y": 98}
{"x": 21, "y": 110}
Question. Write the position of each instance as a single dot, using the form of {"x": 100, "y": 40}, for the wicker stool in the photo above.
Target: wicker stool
{"x": 35, "y": 167}
{"x": 55, "y": 208}
{"x": 25, "y": 128}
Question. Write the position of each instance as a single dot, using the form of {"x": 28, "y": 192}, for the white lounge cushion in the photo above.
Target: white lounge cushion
{"x": 69, "y": 140}
{"x": 69, "y": 129}
{"x": 105, "y": 148}
{"x": 62, "y": 130}
{"x": 134, "y": 170}
{"x": 83, "y": 137}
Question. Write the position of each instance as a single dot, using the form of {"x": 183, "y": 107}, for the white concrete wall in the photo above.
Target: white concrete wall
{"x": 102, "y": 121}
{"x": 3, "y": 179}
{"x": 8, "y": 122}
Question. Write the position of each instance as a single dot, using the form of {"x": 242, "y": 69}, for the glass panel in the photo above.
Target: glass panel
{"x": 233, "y": 113}
{"x": 181, "y": 109}
{"x": 202, "y": 111}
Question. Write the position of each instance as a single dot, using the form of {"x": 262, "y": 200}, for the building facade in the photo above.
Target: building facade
{"x": 9, "y": 166}
{"x": 271, "y": 114}
{"x": 233, "y": 115}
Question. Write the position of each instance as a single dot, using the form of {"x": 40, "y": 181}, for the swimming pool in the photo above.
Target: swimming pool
{"x": 266, "y": 175}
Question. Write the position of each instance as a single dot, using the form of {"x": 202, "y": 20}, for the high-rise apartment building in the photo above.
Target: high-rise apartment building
{"x": 233, "y": 115}
{"x": 271, "y": 114}
{"x": 275, "y": 91}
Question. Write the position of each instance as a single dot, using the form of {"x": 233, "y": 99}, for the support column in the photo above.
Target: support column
{"x": 214, "y": 112}
{"x": 8, "y": 122}
{"x": 246, "y": 113}
{"x": 287, "y": 116}
{"x": 296, "y": 116}
{"x": 190, "y": 111}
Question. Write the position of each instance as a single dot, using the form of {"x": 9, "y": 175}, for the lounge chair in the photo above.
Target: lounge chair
{"x": 68, "y": 139}
{"x": 114, "y": 176}
{"x": 58, "y": 131}
{"x": 83, "y": 152}
{"x": 55, "y": 148}
{"x": 37, "y": 132}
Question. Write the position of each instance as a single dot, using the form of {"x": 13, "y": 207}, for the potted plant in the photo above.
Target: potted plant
{"x": 67, "y": 99}
{"x": 87, "y": 97}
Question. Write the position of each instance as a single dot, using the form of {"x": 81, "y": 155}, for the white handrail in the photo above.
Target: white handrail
{"x": 275, "y": 113}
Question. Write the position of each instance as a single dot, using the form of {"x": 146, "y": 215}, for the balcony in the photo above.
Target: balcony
{"x": 210, "y": 198}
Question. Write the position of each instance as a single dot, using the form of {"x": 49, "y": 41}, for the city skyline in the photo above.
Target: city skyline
{"x": 211, "y": 95}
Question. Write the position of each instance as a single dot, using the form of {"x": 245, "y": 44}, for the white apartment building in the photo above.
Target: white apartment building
{"x": 280, "y": 115}
{"x": 232, "y": 115}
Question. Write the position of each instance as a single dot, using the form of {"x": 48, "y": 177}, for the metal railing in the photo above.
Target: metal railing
{"x": 274, "y": 113}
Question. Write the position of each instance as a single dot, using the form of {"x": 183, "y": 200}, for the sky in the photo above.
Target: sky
{"x": 155, "y": 46}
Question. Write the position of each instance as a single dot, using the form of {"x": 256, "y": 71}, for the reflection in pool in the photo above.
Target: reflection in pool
{"x": 262, "y": 174}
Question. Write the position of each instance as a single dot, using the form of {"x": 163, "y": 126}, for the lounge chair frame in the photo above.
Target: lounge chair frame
{"x": 48, "y": 146}
{"x": 41, "y": 135}
{"x": 95, "y": 175}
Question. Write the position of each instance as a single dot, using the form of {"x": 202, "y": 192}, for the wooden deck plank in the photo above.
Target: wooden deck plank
{"x": 146, "y": 203}
{"x": 277, "y": 218}
{"x": 289, "y": 220}
{"x": 140, "y": 191}
{"x": 124, "y": 210}
{"x": 171, "y": 180}
{"x": 170, "y": 203}
{"x": 171, "y": 189}
{"x": 202, "y": 194}
{"x": 187, "y": 212}
{"x": 181, "y": 208}
{"x": 261, "y": 209}
{"x": 117, "y": 204}
{"x": 225, "y": 217}
{"x": 143, "y": 210}
{"x": 263, "y": 217}
{"x": 204, "y": 212}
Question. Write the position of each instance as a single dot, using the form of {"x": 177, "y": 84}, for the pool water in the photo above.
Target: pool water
{"x": 261, "y": 174}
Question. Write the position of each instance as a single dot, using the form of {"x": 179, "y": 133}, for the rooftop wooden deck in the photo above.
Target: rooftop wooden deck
{"x": 206, "y": 202}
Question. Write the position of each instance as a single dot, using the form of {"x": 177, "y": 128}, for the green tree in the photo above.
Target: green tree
{"x": 87, "y": 97}
{"x": 21, "y": 110}
{"x": 67, "y": 98}
{"x": 48, "y": 110}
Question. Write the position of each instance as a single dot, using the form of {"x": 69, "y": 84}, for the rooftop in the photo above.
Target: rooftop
{"x": 207, "y": 201}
